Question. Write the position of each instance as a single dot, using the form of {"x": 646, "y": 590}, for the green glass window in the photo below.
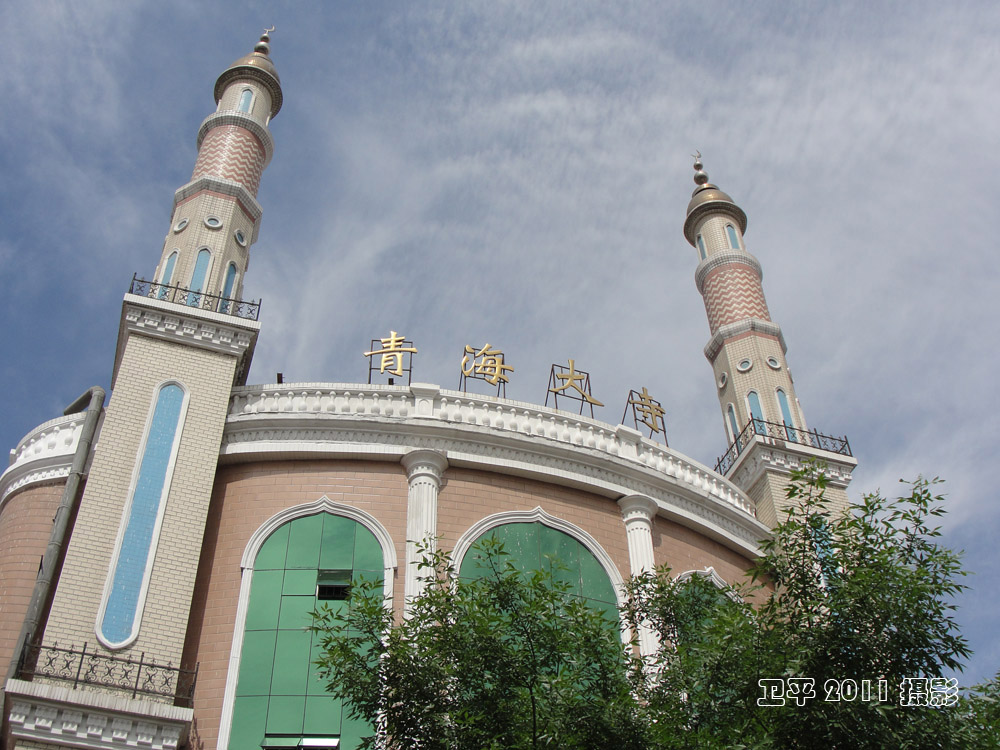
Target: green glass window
{"x": 278, "y": 697}
{"x": 535, "y": 546}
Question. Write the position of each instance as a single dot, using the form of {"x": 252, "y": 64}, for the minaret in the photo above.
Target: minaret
{"x": 763, "y": 419}
{"x": 185, "y": 338}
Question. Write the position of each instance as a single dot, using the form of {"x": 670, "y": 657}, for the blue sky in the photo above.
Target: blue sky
{"x": 517, "y": 173}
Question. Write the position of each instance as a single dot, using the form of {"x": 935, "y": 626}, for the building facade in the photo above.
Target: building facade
{"x": 198, "y": 520}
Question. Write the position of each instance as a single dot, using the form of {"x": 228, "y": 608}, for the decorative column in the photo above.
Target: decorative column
{"x": 638, "y": 512}
{"x": 424, "y": 470}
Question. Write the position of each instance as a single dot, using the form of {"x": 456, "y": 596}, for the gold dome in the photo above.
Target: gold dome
{"x": 257, "y": 66}
{"x": 707, "y": 199}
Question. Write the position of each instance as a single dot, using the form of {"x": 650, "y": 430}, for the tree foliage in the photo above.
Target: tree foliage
{"x": 513, "y": 660}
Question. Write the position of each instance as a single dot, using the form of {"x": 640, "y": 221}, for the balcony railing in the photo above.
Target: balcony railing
{"x": 133, "y": 676}
{"x": 202, "y": 300}
{"x": 774, "y": 431}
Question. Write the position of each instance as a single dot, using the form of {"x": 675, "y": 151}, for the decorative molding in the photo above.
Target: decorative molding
{"x": 722, "y": 258}
{"x": 44, "y": 455}
{"x": 228, "y": 188}
{"x": 538, "y": 515}
{"x": 42, "y": 712}
{"x": 638, "y": 512}
{"x": 749, "y": 325}
{"x": 189, "y": 326}
{"x": 424, "y": 472}
{"x": 322, "y": 505}
{"x": 313, "y": 420}
{"x": 240, "y": 120}
{"x": 761, "y": 456}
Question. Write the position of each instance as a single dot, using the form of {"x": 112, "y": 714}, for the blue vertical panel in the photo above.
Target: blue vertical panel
{"x": 701, "y": 248}
{"x": 133, "y": 555}
{"x": 245, "y": 99}
{"x": 753, "y": 400}
{"x": 198, "y": 277}
{"x": 168, "y": 273}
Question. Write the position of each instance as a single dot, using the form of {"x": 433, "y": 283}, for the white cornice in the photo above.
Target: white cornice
{"x": 190, "y": 326}
{"x": 323, "y": 420}
{"x": 767, "y": 454}
{"x": 52, "y": 714}
{"x": 739, "y": 328}
{"x": 44, "y": 455}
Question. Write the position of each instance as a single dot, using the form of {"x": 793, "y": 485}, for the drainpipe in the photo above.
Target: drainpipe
{"x": 60, "y": 524}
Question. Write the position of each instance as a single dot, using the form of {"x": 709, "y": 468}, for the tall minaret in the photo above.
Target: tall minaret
{"x": 185, "y": 338}
{"x": 763, "y": 419}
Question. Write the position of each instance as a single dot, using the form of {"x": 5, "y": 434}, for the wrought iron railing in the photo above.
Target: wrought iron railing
{"x": 82, "y": 667}
{"x": 774, "y": 431}
{"x": 201, "y": 300}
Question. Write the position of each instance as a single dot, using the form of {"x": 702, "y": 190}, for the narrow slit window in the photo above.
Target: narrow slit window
{"x": 734, "y": 242}
{"x": 246, "y": 99}
{"x": 701, "y": 248}
{"x": 753, "y": 401}
{"x": 786, "y": 415}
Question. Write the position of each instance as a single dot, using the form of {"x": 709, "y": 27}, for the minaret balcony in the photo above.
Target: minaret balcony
{"x": 190, "y": 298}
{"x": 782, "y": 435}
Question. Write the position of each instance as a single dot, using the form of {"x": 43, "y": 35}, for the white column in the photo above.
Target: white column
{"x": 638, "y": 512}
{"x": 424, "y": 470}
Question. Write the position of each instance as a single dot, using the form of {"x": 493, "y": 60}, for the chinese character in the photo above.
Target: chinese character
{"x": 573, "y": 378}
{"x": 392, "y": 349}
{"x": 801, "y": 689}
{"x": 774, "y": 692}
{"x": 650, "y": 410}
{"x": 486, "y": 363}
{"x": 913, "y": 691}
{"x": 944, "y": 692}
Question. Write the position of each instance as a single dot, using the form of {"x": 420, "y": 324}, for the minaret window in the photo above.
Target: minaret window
{"x": 180, "y": 225}
{"x": 121, "y": 610}
{"x": 786, "y": 415}
{"x": 734, "y": 427}
{"x": 701, "y": 247}
{"x": 734, "y": 242}
{"x": 753, "y": 401}
{"x": 227, "y": 288}
{"x": 168, "y": 274}
{"x": 246, "y": 100}
{"x": 198, "y": 277}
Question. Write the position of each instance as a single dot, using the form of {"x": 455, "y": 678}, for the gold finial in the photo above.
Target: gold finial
{"x": 700, "y": 175}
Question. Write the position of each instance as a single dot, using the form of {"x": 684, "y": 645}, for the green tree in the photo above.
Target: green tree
{"x": 505, "y": 660}
{"x": 513, "y": 660}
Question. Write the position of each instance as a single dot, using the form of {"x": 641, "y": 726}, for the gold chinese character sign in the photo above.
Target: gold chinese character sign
{"x": 485, "y": 364}
{"x": 394, "y": 347}
{"x": 647, "y": 411}
{"x": 572, "y": 380}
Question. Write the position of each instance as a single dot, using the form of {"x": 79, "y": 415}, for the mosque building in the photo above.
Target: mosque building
{"x": 189, "y": 524}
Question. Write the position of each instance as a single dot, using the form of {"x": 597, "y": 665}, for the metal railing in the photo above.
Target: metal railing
{"x": 202, "y": 300}
{"x": 775, "y": 431}
{"x": 82, "y": 667}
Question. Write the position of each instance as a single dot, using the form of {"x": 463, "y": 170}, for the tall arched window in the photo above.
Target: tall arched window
{"x": 121, "y": 610}
{"x": 246, "y": 99}
{"x": 168, "y": 274}
{"x": 227, "y": 288}
{"x": 701, "y": 247}
{"x": 198, "y": 276}
{"x": 753, "y": 401}
{"x": 734, "y": 428}
{"x": 734, "y": 242}
{"x": 304, "y": 563}
{"x": 786, "y": 415}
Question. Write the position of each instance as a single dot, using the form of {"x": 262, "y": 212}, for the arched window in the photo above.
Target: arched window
{"x": 198, "y": 276}
{"x": 753, "y": 401}
{"x": 536, "y": 546}
{"x": 121, "y": 610}
{"x": 701, "y": 247}
{"x": 734, "y": 242}
{"x": 786, "y": 415}
{"x": 168, "y": 274}
{"x": 734, "y": 428}
{"x": 227, "y": 288}
{"x": 305, "y": 563}
{"x": 246, "y": 99}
